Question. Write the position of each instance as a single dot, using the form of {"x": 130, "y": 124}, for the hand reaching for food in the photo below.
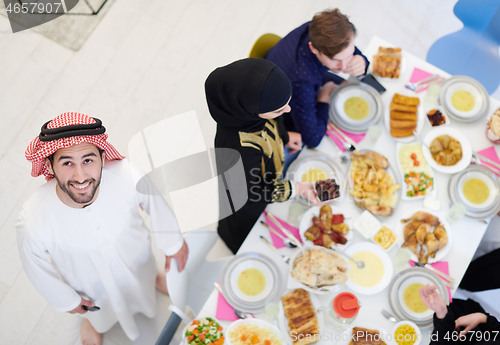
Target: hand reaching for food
{"x": 433, "y": 300}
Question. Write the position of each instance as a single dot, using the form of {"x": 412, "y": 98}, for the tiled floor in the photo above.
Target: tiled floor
{"x": 147, "y": 60}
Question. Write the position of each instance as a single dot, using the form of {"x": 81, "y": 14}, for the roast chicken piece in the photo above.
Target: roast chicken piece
{"x": 411, "y": 228}
{"x": 432, "y": 244}
{"x": 422, "y": 230}
{"x": 423, "y": 217}
{"x": 411, "y": 243}
{"x": 441, "y": 236}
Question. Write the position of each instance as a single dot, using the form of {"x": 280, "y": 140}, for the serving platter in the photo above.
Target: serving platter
{"x": 386, "y": 261}
{"x": 237, "y": 298}
{"x": 460, "y": 82}
{"x": 355, "y": 89}
{"x": 389, "y": 170}
{"x": 283, "y": 322}
{"x": 316, "y": 161}
{"x": 455, "y": 197}
{"x": 404, "y": 195}
{"x": 401, "y": 279}
{"x": 306, "y": 223}
{"x": 346, "y": 336}
{"x": 420, "y": 117}
{"x": 258, "y": 322}
{"x": 462, "y": 139}
{"x": 443, "y": 251}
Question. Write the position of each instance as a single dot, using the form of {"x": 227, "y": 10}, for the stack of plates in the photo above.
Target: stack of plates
{"x": 398, "y": 286}
{"x": 345, "y": 92}
{"x": 229, "y": 282}
{"x": 326, "y": 164}
{"x": 462, "y": 83}
{"x": 490, "y": 206}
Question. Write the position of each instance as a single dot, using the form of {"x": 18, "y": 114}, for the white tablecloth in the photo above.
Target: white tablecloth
{"x": 466, "y": 234}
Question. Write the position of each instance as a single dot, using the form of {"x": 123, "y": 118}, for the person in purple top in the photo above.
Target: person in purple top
{"x": 310, "y": 55}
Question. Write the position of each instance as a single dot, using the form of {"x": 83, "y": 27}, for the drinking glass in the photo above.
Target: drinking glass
{"x": 456, "y": 212}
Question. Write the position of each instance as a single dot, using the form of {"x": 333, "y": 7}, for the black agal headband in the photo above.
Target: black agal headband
{"x": 49, "y": 134}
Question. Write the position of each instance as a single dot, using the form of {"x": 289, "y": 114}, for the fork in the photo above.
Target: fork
{"x": 286, "y": 259}
{"x": 389, "y": 316}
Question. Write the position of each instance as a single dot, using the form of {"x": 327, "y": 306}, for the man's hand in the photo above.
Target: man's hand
{"x": 433, "y": 300}
{"x": 356, "y": 66}
{"x": 79, "y": 309}
{"x": 181, "y": 256}
{"x": 469, "y": 322}
{"x": 294, "y": 142}
{"x": 325, "y": 91}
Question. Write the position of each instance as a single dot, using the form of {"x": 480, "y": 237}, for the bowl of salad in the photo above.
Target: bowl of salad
{"x": 206, "y": 331}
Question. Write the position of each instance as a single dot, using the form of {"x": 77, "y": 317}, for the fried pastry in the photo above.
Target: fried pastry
{"x": 405, "y": 100}
{"x": 403, "y": 124}
{"x": 301, "y": 317}
{"x": 403, "y": 108}
{"x": 400, "y": 116}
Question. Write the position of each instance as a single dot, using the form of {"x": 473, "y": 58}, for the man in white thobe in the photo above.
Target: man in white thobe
{"x": 86, "y": 220}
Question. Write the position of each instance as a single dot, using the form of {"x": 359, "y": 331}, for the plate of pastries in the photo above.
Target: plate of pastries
{"x": 364, "y": 333}
{"x": 404, "y": 115}
{"x": 388, "y": 63}
{"x": 297, "y": 317}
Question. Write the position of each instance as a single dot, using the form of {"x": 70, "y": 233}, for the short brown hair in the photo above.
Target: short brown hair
{"x": 330, "y": 32}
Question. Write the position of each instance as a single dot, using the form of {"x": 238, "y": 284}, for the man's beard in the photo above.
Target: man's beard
{"x": 75, "y": 196}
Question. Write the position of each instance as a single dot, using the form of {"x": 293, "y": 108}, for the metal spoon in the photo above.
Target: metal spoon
{"x": 286, "y": 240}
{"x": 237, "y": 312}
{"x": 360, "y": 264}
{"x": 347, "y": 146}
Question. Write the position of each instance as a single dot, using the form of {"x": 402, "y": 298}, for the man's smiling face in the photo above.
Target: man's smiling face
{"x": 77, "y": 170}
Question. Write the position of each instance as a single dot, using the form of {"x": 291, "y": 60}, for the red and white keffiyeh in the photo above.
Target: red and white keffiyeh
{"x": 38, "y": 150}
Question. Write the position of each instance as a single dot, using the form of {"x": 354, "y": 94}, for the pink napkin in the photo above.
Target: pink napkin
{"x": 224, "y": 310}
{"x": 356, "y": 137}
{"x": 490, "y": 153}
{"x": 419, "y": 75}
{"x": 441, "y": 266}
{"x": 278, "y": 242}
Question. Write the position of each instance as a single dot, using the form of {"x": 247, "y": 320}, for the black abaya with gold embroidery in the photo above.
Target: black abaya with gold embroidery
{"x": 233, "y": 95}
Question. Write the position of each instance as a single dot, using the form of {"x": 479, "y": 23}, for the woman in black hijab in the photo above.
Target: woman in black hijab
{"x": 246, "y": 98}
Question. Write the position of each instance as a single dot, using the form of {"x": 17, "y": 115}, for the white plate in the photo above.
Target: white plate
{"x": 420, "y": 118}
{"x": 388, "y": 269}
{"x": 473, "y": 90}
{"x": 462, "y": 139}
{"x": 486, "y": 179}
{"x": 355, "y": 92}
{"x": 411, "y": 324}
{"x": 324, "y": 290}
{"x": 257, "y": 322}
{"x": 403, "y": 183}
{"x": 347, "y": 334}
{"x": 283, "y": 321}
{"x": 306, "y": 223}
{"x": 443, "y": 251}
{"x": 390, "y": 170}
{"x": 244, "y": 266}
{"x": 415, "y": 316}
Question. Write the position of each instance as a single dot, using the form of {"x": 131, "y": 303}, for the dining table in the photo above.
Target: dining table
{"x": 467, "y": 232}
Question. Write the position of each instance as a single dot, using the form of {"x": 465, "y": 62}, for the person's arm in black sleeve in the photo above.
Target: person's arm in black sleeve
{"x": 443, "y": 328}
{"x": 260, "y": 189}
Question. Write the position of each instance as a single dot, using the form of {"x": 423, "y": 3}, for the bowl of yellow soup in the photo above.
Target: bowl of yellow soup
{"x": 356, "y": 106}
{"x": 464, "y": 99}
{"x": 377, "y": 272}
{"x": 250, "y": 281}
{"x": 477, "y": 190}
{"x": 411, "y": 304}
